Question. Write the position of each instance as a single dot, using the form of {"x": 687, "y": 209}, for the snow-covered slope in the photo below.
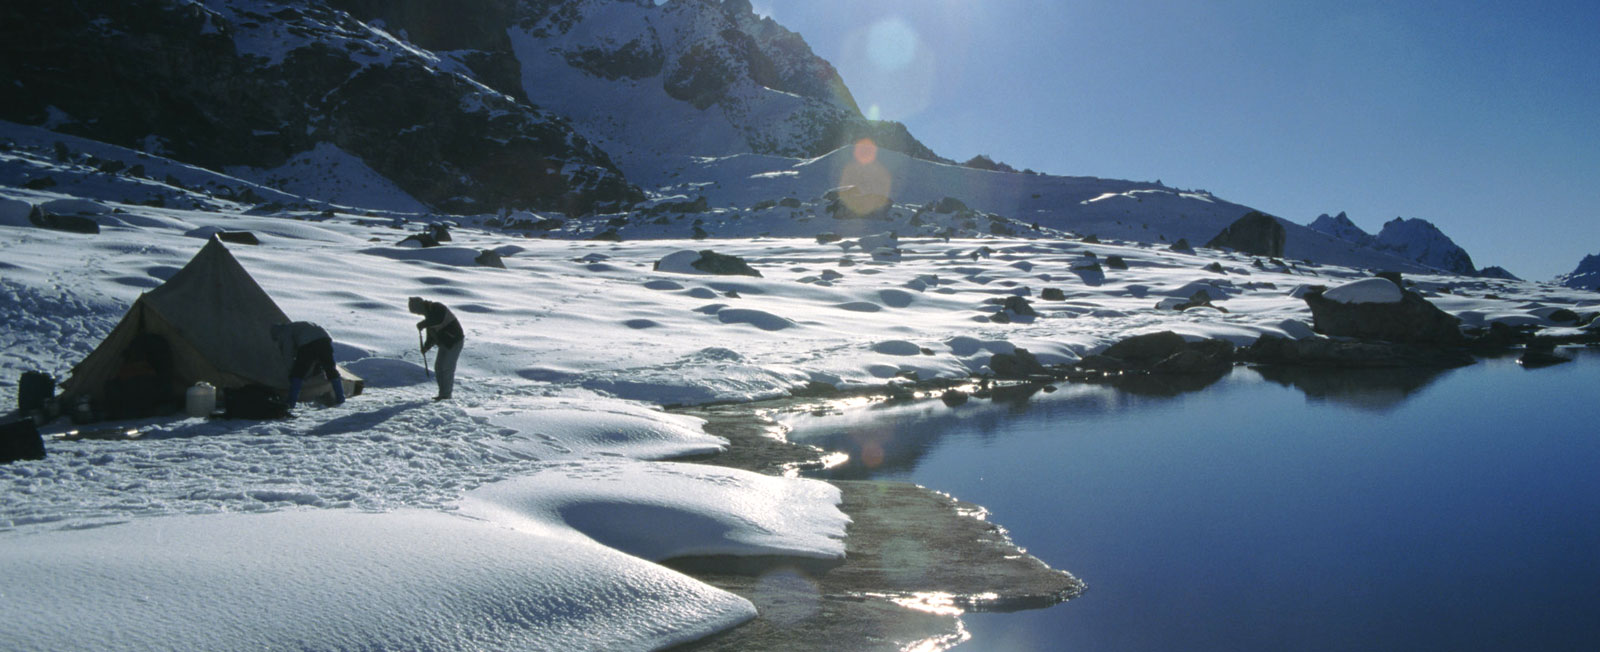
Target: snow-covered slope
{"x": 570, "y": 347}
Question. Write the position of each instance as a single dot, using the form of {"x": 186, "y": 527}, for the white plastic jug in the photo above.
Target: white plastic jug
{"x": 200, "y": 400}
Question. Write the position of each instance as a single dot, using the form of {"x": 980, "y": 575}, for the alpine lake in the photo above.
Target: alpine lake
{"x": 1273, "y": 508}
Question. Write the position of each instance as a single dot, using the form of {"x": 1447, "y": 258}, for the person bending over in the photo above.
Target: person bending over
{"x": 442, "y": 329}
{"x": 310, "y": 346}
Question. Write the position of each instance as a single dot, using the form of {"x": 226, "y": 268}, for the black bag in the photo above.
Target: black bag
{"x": 33, "y": 390}
{"x": 20, "y": 440}
{"x": 255, "y": 402}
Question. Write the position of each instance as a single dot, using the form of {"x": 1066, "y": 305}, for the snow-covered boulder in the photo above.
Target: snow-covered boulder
{"x": 1377, "y": 309}
{"x": 704, "y": 262}
{"x": 1367, "y": 290}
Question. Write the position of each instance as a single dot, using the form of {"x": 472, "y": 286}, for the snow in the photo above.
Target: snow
{"x": 553, "y": 444}
{"x": 530, "y": 510}
{"x": 1369, "y": 290}
{"x": 408, "y": 579}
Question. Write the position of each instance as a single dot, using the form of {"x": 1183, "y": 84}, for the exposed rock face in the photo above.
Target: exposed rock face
{"x": 749, "y": 84}
{"x": 220, "y": 84}
{"x": 1585, "y": 277}
{"x": 1256, "y": 233}
{"x": 1410, "y": 320}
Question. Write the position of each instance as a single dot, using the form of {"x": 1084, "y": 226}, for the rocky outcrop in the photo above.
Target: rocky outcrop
{"x": 1256, "y": 233}
{"x": 1394, "y": 315}
{"x": 1163, "y": 353}
{"x": 225, "y": 84}
{"x": 1019, "y": 364}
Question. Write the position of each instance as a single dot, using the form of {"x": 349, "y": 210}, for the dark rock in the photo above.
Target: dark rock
{"x": 789, "y": 202}
{"x": 815, "y": 389}
{"x": 1052, "y": 294}
{"x": 1016, "y": 365}
{"x": 1116, "y": 262}
{"x": 1090, "y": 239}
{"x": 423, "y": 240}
{"x": 69, "y": 223}
{"x": 1541, "y": 353}
{"x": 1146, "y": 350}
{"x": 1396, "y": 278}
{"x": 712, "y": 262}
{"x": 1412, "y": 320}
{"x": 40, "y": 183}
{"x": 1020, "y": 306}
{"x": 949, "y": 205}
{"x": 1256, "y": 233}
{"x": 1215, "y": 268}
{"x": 1182, "y": 246}
{"x": 953, "y": 397}
{"x": 489, "y": 258}
{"x": 1564, "y": 316}
{"x": 1164, "y": 353}
{"x": 825, "y": 238}
{"x": 440, "y": 232}
{"x": 608, "y": 235}
{"x": 699, "y": 234}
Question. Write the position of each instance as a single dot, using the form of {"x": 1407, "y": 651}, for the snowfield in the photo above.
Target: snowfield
{"x": 529, "y": 510}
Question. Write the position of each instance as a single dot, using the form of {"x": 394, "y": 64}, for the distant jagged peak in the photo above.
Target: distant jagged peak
{"x": 1341, "y": 227}
{"x": 1586, "y": 276}
{"x": 1419, "y": 240}
{"x": 1496, "y": 271}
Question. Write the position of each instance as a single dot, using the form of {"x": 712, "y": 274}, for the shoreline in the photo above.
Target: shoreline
{"x": 916, "y": 559}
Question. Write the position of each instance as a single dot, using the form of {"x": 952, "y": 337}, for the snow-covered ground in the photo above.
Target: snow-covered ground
{"x": 528, "y": 510}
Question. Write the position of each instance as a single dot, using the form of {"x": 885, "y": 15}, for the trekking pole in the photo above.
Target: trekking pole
{"x": 425, "y": 372}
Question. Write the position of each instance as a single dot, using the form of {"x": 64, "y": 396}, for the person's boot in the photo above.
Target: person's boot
{"x": 294, "y": 391}
{"x": 338, "y": 391}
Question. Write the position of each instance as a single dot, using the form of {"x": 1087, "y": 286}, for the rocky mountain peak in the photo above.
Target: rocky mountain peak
{"x": 1586, "y": 276}
{"x": 1341, "y": 227}
{"x": 1419, "y": 240}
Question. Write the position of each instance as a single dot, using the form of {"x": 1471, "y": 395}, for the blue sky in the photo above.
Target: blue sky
{"x": 1481, "y": 117}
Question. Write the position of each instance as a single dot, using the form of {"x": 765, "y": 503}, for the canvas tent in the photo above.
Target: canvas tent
{"x": 210, "y": 322}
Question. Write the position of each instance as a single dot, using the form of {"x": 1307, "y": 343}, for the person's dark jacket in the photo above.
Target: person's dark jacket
{"x": 441, "y": 325}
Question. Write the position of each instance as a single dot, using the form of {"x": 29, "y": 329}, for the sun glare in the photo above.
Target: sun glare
{"x": 891, "y": 44}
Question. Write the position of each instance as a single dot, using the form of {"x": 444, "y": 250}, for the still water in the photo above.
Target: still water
{"x": 1279, "y": 511}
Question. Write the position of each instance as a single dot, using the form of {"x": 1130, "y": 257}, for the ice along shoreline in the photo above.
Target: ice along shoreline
{"x": 915, "y": 561}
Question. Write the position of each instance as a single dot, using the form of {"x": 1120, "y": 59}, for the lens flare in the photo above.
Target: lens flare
{"x": 866, "y": 151}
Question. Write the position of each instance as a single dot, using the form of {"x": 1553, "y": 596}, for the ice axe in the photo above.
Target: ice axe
{"x": 420, "y": 344}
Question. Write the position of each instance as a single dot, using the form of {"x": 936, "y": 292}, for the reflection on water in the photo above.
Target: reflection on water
{"x": 1366, "y": 389}
{"x": 1377, "y": 510}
